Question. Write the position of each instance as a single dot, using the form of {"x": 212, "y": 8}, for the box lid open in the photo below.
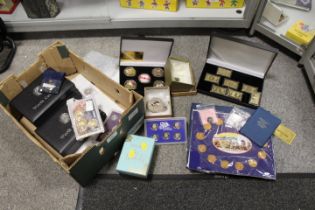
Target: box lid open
{"x": 240, "y": 55}
{"x": 151, "y": 52}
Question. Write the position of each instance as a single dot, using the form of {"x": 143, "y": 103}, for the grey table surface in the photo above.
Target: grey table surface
{"x": 29, "y": 179}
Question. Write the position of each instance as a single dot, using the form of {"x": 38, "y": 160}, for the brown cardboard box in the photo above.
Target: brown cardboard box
{"x": 82, "y": 167}
{"x": 180, "y": 77}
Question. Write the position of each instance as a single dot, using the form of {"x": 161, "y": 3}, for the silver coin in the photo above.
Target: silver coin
{"x": 64, "y": 118}
{"x": 156, "y": 105}
{"x": 158, "y": 72}
{"x": 37, "y": 91}
{"x": 158, "y": 83}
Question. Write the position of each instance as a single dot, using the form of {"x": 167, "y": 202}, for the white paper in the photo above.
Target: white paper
{"x": 103, "y": 102}
{"x": 106, "y": 64}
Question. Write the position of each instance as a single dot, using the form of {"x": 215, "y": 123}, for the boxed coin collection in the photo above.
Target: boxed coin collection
{"x": 157, "y": 102}
{"x": 235, "y": 70}
{"x": 166, "y": 130}
{"x": 142, "y": 62}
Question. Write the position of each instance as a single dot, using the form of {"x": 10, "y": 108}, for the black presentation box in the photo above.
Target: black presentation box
{"x": 56, "y": 128}
{"x": 32, "y": 104}
{"x": 235, "y": 70}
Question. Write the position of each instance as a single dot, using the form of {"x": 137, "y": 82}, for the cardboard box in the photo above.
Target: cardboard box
{"x": 235, "y": 70}
{"x": 180, "y": 77}
{"x": 164, "y": 5}
{"x": 136, "y": 156}
{"x": 142, "y": 62}
{"x": 82, "y": 167}
{"x": 215, "y": 4}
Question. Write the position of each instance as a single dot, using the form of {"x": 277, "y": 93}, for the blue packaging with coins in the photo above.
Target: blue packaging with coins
{"x": 217, "y": 148}
{"x": 166, "y": 130}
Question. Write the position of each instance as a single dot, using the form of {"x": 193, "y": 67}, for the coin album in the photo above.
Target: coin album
{"x": 38, "y": 103}
{"x": 157, "y": 102}
{"x": 142, "y": 62}
{"x": 235, "y": 70}
{"x": 222, "y": 149}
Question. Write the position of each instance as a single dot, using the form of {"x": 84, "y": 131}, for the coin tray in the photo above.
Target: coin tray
{"x": 157, "y": 102}
{"x": 206, "y": 86}
{"x": 142, "y": 55}
{"x": 243, "y": 62}
{"x": 167, "y": 130}
{"x": 138, "y": 71}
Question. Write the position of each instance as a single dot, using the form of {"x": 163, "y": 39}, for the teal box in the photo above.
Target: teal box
{"x": 136, "y": 156}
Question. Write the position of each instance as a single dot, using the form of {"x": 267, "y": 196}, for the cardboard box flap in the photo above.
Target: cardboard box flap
{"x": 242, "y": 56}
{"x": 57, "y": 56}
{"x": 145, "y": 51}
{"x": 10, "y": 88}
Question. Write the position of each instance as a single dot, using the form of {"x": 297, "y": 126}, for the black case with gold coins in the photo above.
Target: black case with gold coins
{"x": 235, "y": 70}
{"x": 142, "y": 62}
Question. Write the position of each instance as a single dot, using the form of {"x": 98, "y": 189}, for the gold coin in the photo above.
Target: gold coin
{"x": 202, "y": 148}
{"x": 207, "y": 126}
{"x": 200, "y": 136}
{"x": 252, "y": 163}
{"x": 130, "y": 71}
{"x": 239, "y": 166}
{"x": 262, "y": 154}
{"x": 224, "y": 164}
{"x": 220, "y": 121}
{"x": 212, "y": 159}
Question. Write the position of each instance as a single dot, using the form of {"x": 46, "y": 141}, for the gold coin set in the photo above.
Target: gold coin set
{"x": 231, "y": 88}
{"x": 135, "y": 78}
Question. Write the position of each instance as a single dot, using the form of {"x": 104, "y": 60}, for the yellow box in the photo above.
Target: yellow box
{"x": 300, "y": 33}
{"x": 214, "y": 3}
{"x": 165, "y": 5}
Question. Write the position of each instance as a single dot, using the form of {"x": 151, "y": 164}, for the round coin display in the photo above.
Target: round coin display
{"x": 156, "y": 105}
{"x": 166, "y": 135}
{"x": 144, "y": 78}
{"x": 154, "y": 126}
{"x": 158, "y": 72}
{"x": 130, "y": 84}
{"x": 177, "y": 136}
{"x": 158, "y": 83}
{"x": 130, "y": 71}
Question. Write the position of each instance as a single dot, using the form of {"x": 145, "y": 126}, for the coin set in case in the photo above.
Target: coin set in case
{"x": 230, "y": 75}
{"x": 166, "y": 130}
{"x": 157, "y": 102}
{"x": 137, "y": 78}
{"x": 142, "y": 62}
{"x": 39, "y": 103}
